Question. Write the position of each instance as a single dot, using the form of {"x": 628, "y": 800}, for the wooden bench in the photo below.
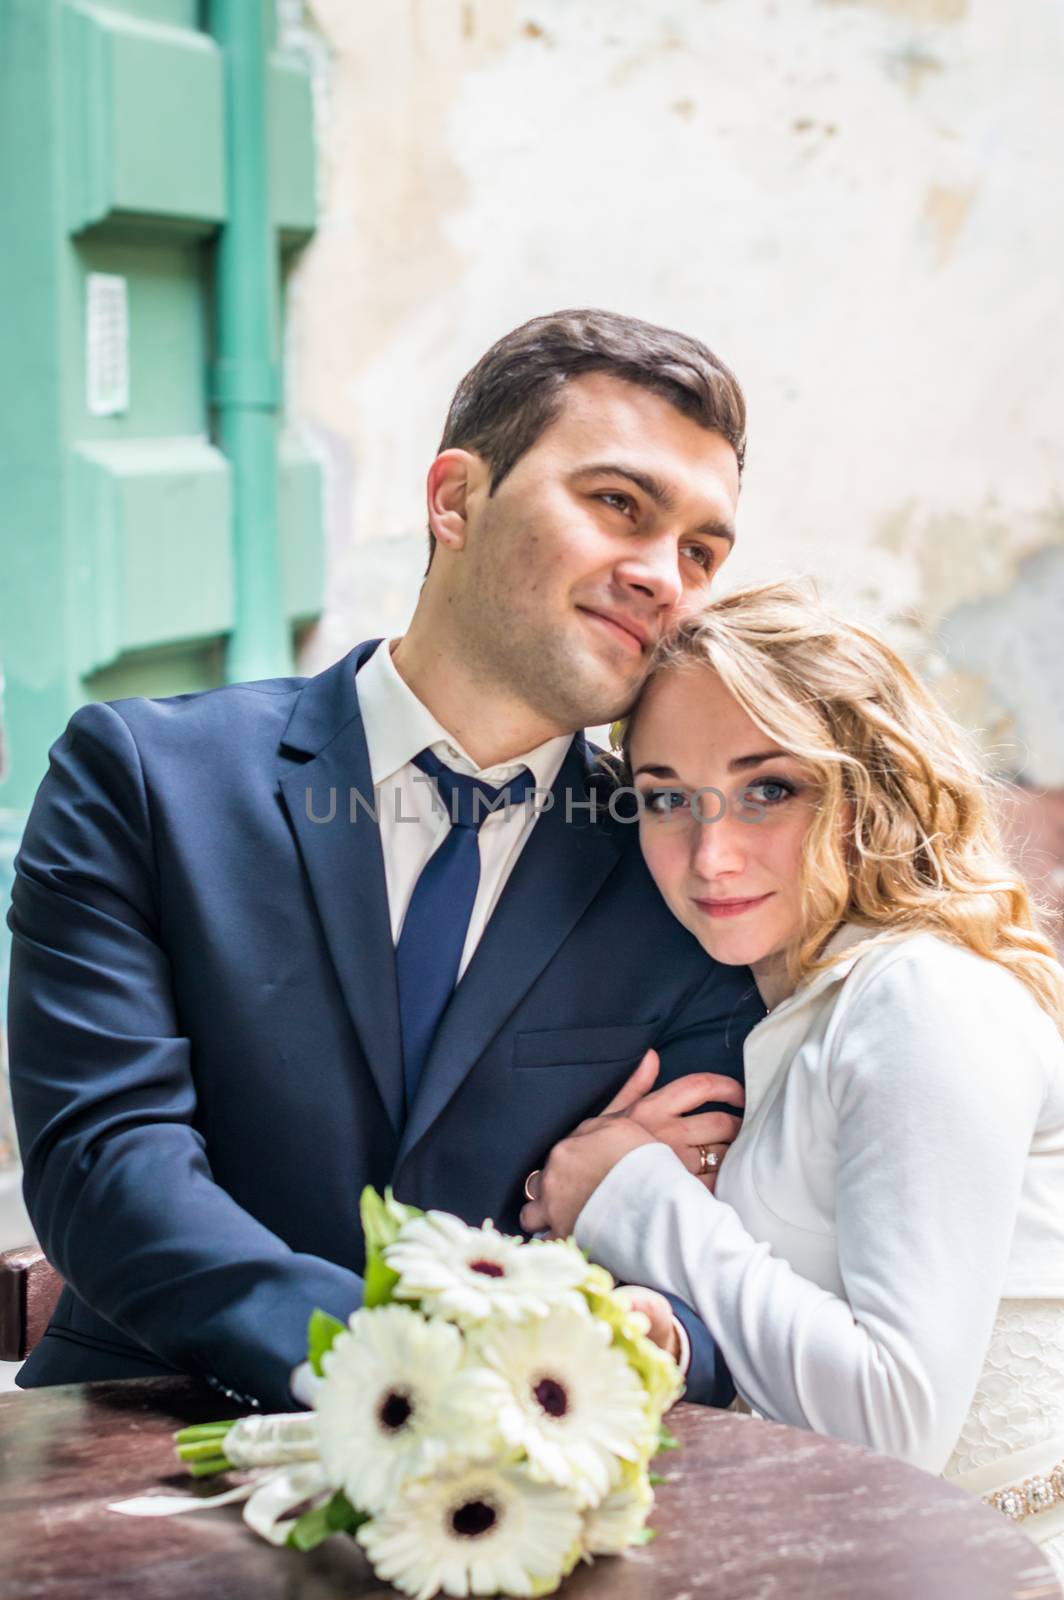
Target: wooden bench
{"x": 29, "y": 1289}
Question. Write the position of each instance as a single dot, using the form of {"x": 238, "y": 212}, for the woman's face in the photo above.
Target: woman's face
{"x": 727, "y": 860}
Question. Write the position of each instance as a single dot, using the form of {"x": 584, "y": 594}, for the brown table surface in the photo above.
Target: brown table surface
{"x": 751, "y": 1511}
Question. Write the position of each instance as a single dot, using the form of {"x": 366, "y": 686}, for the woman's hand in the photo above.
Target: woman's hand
{"x": 666, "y": 1113}
{"x": 636, "y": 1115}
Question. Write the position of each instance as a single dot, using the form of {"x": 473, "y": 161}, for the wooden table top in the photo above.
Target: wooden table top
{"x": 750, "y": 1511}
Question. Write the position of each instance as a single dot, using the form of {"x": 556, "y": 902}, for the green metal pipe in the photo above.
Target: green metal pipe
{"x": 246, "y": 386}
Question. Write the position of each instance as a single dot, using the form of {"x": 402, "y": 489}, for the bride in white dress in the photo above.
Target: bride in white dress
{"x": 882, "y": 1255}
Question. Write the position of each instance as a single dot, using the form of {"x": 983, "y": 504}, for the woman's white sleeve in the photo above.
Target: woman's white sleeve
{"x": 936, "y": 1102}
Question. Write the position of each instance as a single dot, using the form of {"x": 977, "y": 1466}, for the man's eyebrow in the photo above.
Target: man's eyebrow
{"x": 656, "y": 489}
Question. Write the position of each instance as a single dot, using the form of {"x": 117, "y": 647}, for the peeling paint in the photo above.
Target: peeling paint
{"x": 888, "y": 291}
{"x": 944, "y": 215}
{"x": 964, "y": 557}
{"x": 1012, "y": 644}
{"x": 914, "y": 10}
{"x": 912, "y": 63}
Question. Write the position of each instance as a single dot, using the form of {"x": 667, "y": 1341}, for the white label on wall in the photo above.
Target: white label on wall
{"x": 107, "y": 334}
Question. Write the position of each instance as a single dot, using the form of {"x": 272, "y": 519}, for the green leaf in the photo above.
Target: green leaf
{"x": 322, "y": 1333}
{"x": 343, "y": 1518}
{"x": 644, "y": 1536}
{"x": 654, "y": 1478}
{"x": 311, "y": 1528}
{"x": 667, "y": 1440}
{"x": 337, "y": 1515}
{"x": 382, "y": 1219}
{"x": 378, "y": 1282}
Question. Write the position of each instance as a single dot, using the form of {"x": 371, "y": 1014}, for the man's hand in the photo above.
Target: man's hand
{"x": 576, "y": 1167}
{"x": 662, "y": 1326}
{"x": 637, "y": 1114}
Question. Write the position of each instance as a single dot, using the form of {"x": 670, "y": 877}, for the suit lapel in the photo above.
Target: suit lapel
{"x": 557, "y": 875}
{"x": 344, "y": 863}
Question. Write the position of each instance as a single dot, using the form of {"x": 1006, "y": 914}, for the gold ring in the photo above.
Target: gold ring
{"x": 708, "y": 1160}
{"x": 538, "y": 1173}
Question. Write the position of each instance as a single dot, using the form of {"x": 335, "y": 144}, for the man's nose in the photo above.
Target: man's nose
{"x": 717, "y": 845}
{"x": 654, "y": 571}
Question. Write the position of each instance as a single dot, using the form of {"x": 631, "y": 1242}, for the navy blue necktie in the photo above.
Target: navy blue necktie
{"x": 433, "y": 935}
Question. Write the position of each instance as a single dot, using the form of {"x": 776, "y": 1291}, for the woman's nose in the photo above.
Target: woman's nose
{"x": 717, "y": 847}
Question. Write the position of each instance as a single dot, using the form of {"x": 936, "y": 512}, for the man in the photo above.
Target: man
{"x": 239, "y": 916}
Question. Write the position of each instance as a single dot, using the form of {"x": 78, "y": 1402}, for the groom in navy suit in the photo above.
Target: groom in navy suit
{"x": 280, "y": 940}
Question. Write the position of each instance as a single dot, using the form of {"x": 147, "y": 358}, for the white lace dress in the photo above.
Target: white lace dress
{"x": 1019, "y": 1400}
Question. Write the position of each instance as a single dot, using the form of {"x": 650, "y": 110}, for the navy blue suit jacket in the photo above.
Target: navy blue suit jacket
{"x": 204, "y": 1027}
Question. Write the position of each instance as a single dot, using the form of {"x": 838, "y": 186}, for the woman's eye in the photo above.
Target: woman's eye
{"x": 769, "y": 792}
{"x": 664, "y": 802}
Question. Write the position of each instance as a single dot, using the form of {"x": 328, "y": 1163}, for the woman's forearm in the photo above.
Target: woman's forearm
{"x": 797, "y": 1353}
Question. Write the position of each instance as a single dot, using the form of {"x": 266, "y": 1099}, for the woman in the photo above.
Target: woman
{"x": 883, "y": 1256}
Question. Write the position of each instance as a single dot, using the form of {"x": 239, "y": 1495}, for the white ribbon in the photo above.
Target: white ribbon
{"x": 267, "y": 1510}
{"x": 269, "y": 1500}
{"x": 286, "y": 1443}
{"x": 175, "y": 1505}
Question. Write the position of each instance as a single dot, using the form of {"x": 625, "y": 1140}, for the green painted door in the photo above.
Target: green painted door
{"x": 135, "y": 521}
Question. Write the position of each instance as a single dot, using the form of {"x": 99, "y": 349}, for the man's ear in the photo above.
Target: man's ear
{"x": 451, "y": 477}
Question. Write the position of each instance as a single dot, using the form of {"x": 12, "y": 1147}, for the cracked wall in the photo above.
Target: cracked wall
{"x": 854, "y": 201}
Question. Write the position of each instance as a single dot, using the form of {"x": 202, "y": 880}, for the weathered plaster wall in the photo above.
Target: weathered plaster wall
{"x": 855, "y": 201}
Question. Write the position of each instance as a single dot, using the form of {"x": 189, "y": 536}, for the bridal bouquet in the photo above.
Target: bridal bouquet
{"x": 482, "y": 1423}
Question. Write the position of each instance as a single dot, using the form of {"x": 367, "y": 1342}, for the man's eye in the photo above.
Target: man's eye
{"x": 617, "y": 501}
{"x": 770, "y": 792}
{"x": 702, "y": 554}
{"x": 664, "y": 802}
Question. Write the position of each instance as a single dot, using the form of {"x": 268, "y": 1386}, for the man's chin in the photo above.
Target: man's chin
{"x": 603, "y": 698}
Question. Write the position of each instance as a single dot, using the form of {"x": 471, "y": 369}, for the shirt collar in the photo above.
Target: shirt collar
{"x": 845, "y": 948}
{"x": 398, "y": 727}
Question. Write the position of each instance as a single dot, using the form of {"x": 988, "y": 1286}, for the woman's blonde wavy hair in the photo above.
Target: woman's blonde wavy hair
{"x": 903, "y": 837}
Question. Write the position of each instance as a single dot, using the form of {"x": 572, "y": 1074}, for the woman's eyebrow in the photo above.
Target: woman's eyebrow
{"x": 737, "y": 764}
{"x": 742, "y": 763}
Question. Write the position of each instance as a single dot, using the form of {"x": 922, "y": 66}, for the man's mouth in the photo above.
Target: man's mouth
{"x": 631, "y": 634}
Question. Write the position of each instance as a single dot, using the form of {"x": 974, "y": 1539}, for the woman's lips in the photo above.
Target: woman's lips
{"x": 629, "y": 639}
{"x": 730, "y": 908}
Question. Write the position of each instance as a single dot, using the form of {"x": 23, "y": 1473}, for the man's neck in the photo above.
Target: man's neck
{"x": 491, "y": 726}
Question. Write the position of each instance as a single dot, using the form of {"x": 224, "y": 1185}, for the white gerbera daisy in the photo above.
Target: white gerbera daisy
{"x": 469, "y": 1274}
{"x": 619, "y": 1520}
{"x": 394, "y": 1403}
{"x": 573, "y": 1404}
{"x": 475, "y": 1530}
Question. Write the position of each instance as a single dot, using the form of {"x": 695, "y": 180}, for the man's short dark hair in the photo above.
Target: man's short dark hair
{"x": 514, "y": 392}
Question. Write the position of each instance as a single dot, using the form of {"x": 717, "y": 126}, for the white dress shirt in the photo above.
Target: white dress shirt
{"x": 413, "y": 820}
{"x": 899, "y": 1177}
